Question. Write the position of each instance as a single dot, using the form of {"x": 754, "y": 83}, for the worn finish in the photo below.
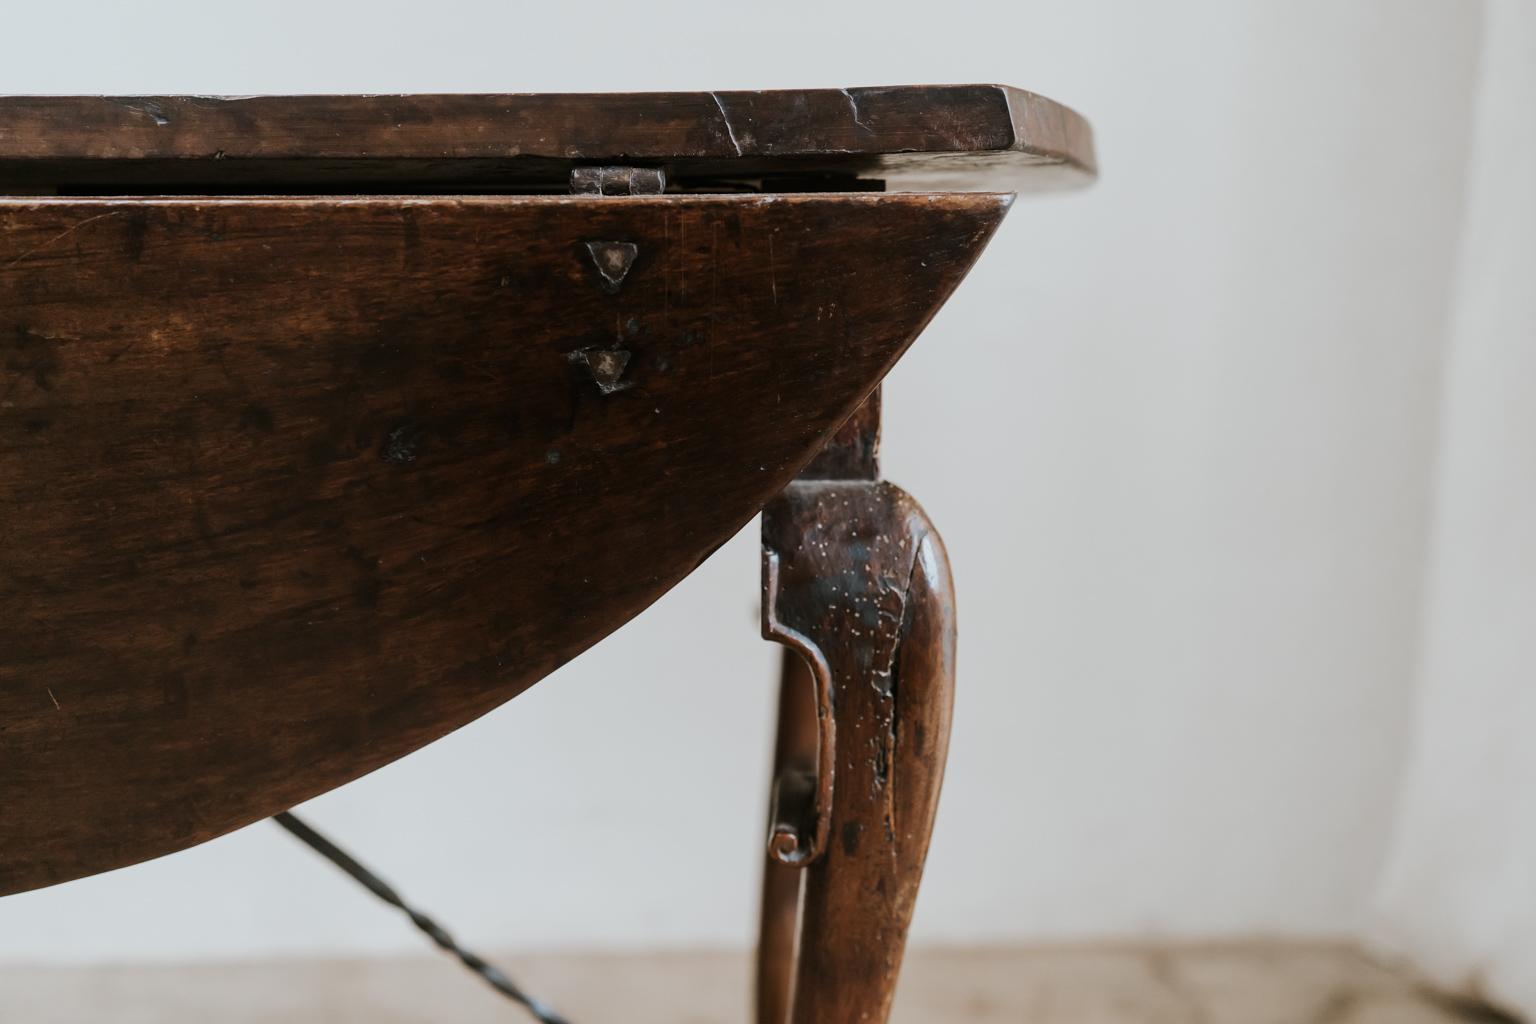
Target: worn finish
{"x": 853, "y": 452}
{"x": 968, "y": 136}
{"x": 800, "y": 803}
{"x": 795, "y": 756}
{"x": 857, "y": 584}
{"x": 618, "y": 181}
{"x": 289, "y": 488}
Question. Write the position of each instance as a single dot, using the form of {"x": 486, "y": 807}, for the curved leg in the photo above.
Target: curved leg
{"x": 857, "y": 579}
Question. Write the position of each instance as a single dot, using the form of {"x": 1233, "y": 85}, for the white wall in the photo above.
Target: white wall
{"x": 1176, "y": 430}
{"x": 1459, "y": 894}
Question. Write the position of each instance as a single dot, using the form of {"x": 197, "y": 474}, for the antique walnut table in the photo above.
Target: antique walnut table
{"x": 330, "y": 423}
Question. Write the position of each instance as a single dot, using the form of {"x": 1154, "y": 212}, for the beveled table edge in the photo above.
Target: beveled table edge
{"x": 970, "y": 135}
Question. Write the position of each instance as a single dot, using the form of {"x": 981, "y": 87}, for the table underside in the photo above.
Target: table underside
{"x": 292, "y": 486}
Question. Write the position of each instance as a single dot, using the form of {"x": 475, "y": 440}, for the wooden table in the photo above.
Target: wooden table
{"x": 330, "y": 423}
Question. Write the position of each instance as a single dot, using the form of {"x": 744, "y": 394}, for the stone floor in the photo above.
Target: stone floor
{"x": 1256, "y": 984}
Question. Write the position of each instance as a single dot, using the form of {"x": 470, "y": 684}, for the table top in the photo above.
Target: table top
{"x": 961, "y": 136}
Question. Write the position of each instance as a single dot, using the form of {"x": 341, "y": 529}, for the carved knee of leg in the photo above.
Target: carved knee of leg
{"x": 857, "y": 580}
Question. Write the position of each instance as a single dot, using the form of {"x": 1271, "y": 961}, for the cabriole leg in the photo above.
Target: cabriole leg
{"x": 856, "y": 583}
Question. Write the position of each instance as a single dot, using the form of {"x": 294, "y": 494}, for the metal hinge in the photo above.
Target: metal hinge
{"x": 618, "y": 181}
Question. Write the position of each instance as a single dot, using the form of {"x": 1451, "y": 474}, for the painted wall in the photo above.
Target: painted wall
{"x": 1458, "y": 897}
{"x": 1178, "y": 432}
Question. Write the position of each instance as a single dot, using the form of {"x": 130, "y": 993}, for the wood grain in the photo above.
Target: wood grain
{"x": 857, "y": 575}
{"x": 290, "y": 487}
{"x": 795, "y": 753}
{"x": 969, "y": 136}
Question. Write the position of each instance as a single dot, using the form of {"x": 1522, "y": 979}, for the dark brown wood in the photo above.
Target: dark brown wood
{"x": 856, "y": 575}
{"x": 290, "y": 487}
{"x": 965, "y": 136}
{"x": 853, "y": 453}
{"x": 800, "y": 807}
{"x": 794, "y": 756}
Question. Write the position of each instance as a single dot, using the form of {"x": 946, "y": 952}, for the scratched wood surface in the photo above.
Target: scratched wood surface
{"x": 289, "y": 487}
{"x": 857, "y": 585}
{"x": 958, "y": 136}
